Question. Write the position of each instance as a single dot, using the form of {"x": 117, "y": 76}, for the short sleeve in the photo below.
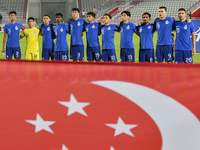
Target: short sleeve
{"x": 116, "y": 28}
{"x": 5, "y": 29}
{"x": 21, "y": 26}
{"x": 192, "y": 28}
{"x": 134, "y": 28}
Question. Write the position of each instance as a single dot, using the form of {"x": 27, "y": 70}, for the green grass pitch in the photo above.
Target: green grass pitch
{"x": 136, "y": 41}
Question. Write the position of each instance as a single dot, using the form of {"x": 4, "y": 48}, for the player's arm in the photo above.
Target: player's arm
{"x": 4, "y": 42}
{"x": 137, "y": 31}
{"x": 22, "y": 35}
{"x": 194, "y": 43}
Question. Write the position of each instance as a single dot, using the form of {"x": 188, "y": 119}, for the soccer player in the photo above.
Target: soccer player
{"x": 48, "y": 38}
{"x": 127, "y": 30}
{"x": 146, "y": 31}
{"x": 92, "y": 32}
{"x": 164, "y": 25}
{"x": 185, "y": 48}
{"x": 76, "y": 28}
{"x": 12, "y": 29}
{"x": 108, "y": 45}
{"x": 61, "y": 30}
{"x": 32, "y": 36}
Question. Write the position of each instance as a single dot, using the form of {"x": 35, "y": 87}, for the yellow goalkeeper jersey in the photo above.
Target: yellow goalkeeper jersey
{"x": 32, "y": 36}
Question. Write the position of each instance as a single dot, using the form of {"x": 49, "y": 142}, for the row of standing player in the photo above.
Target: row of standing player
{"x": 164, "y": 26}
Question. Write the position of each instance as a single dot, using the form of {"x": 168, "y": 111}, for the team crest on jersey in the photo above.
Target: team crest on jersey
{"x": 158, "y": 26}
{"x": 149, "y": 27}
{"x": 16, "y": 28}
{"x": 48, "y": 29}
{"x": 185, "y": 27}
{"x": 167, "y": 22}
{"x": 109, "y": 28}
{"x": 34, "y": 32}
{"x": 61, "y": 30}
{"x": 140, "y": 30}
{"x": 93, "y": 26}
{"x": 128, "y": 27}
{"x": 79, "y": 24}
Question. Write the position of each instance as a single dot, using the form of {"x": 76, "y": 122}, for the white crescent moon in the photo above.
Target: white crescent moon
{"x": 179, "y": 127}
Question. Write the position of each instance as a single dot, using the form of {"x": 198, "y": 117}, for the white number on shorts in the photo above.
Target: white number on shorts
{"x": 169, "y": 56}
{"x": 189, "y": 60}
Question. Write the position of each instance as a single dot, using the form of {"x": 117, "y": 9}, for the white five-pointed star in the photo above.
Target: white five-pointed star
{"x": 121, "y": 127}
{"x": 74, "y": 106}
{"x": 64, "y": 147}
{"x": 40, "y": 124}
{"x": 112, "y": 148}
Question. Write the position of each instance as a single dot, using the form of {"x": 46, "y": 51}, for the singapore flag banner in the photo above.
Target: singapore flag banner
{"x": 99, "y": 106}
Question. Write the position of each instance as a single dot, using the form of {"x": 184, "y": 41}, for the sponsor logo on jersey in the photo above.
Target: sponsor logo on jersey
{"x": 177, "y": 29}
{"x": 140, "y": 30}
{"x": 102, "y": 31}
{"x": 121, "y": 30}
{"x": 87, "y": 29}
{"x": 158, "y": 26}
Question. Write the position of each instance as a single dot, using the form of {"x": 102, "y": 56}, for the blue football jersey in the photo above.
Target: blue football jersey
{"x": 184, "y": 31}
{"x": 61, "y": 39}
{"x": 127, "y": 31}
{"x": 92, "y": 32}
{"x": 164, "y": 29}
{"x": 146, "y": 36}
{"x": 76, "y": 28}
{"x": 47, "y": 36}
{"x": 108, "y": 36}
{"x": 13, "y": 30}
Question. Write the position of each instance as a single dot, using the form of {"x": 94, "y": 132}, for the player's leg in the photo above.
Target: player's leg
{"x": 45, "y": 54}
{"x": 80, "y": 52}
{"x": 112, "y": 55}
{"x": 150, "y": 55}
{"x": 167, "y": 49}
{"x": 130, "y": 54}
{"x": 17, "y": 52}
{"x": 142, "y": 55}
{"x": 178, "y": 56}
{"x": 73, "y": 52}
{"x": 28, "y": 56}
{"x": 159, "y": 53}
{"x": 123, "y": 55}
{"x": 187, "y": 57}
{"x": 89, "y": 54}
{"x": 64, "y": 56}
{"x": 9, "y": 53}
{"x": 105, "y": 55}
{"x": 36, "y": 56}
{"x": 96, "y": 53}
{"x": 57, "y": 55}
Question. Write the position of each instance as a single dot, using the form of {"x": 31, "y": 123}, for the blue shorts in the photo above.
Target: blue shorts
{"x": 47, "y": 53}
{"x": 93, "y": 53}
{"x": 127, "y": 54}
{"x": 61, "y": 55}
{"x": 10, "y": 51}
{"x": 164, "y": 51}
{"x": 183, "y": 56}
{"x": 77, "y": 52}
{"x": 146, "y": 55}
{"x": 109, "y": 55}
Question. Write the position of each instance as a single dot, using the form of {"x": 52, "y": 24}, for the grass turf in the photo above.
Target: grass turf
{"x": 136, "y": 41}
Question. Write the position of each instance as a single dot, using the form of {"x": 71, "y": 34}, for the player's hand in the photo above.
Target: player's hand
{"x": 140, "y": 23}
{"x": 81, "y": 34}
{"x": 113, "y": 35}
{"x": 173, "y": 18}
{"x": 193, "y": 51}
{"x": 3, "y": 50}
{"x": 188, "y": 19}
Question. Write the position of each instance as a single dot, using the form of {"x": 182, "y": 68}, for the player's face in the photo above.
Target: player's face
{"x": 31, "y": 23}
{"x": 162, "y": 13}
{"x": 106, "y": 19}
{"x": 90, "y": 18}
{"x": 75, "y": 14}
{"x": 46, "y": 20}
{"x": 146, "y": 19}
{"x": 13, "y": 17}
{"x": 125, "y": 17}
{"x": 181, "y": 15}
{"x": 59, "y": 19}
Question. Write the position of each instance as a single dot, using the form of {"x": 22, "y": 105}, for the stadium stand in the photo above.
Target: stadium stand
{"x": 20, "y": 6}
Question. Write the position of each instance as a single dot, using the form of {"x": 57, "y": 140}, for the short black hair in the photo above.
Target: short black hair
{"x": 172, "y": 34}
{"x": 47, "y": 16}
{"x": 108, "y": 15}
{"x": 75, "y": 9}
{"x": 31, "y": 18}
{"x": 12, "y": 12}
{"x": 59, "y": 14}
{"x": 128, "y": 13}
{"x": 92, "y": 14}
{"x": 163, "y": 7}
{"x": 182, "y": 9}
{"x": 146, "y": 13}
